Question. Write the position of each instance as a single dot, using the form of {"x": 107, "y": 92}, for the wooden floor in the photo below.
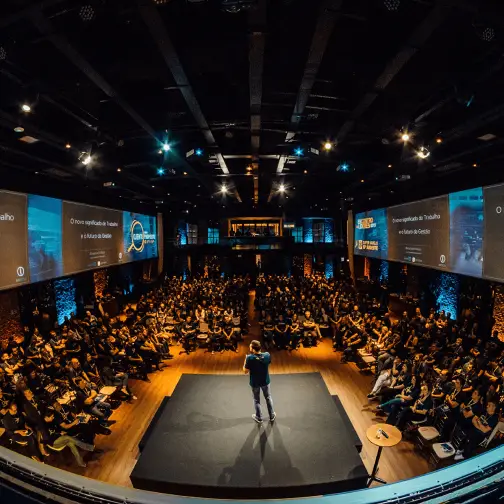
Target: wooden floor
{"x": 345, "y": 380}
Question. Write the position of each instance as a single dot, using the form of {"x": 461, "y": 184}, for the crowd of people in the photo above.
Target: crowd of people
{"x": 59, "y": 386}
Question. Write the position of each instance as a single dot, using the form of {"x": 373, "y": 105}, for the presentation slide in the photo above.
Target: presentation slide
{"x": 44, "y": 238}
{"x": 466, "y": 232}
{"x": 140, "y": 237}
{"x": 371, "y": 235}
{"x": 493, "y": 265}
{"x": 13, "y": 238}
{"x": 419, "y": 233}
{"x": 93, "y": 237}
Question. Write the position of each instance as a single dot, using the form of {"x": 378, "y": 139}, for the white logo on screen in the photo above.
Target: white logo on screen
{"x": 442, "y": 259}
{"x": 20, "y": 271}
{"x": 6, "y": 217}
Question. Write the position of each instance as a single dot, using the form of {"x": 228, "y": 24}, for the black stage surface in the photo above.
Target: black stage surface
{"x": 205, "y": 443}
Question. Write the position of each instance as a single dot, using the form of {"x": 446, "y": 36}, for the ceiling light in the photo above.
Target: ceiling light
{"x": 305, "y": 172}
{"x": 439, "y": 140}
{"x": 343, "y": 167}
{"x": 3, "y": 54}
{"x": 224, "y": 189}
{"x": 281, "y": 188}
{"x": 249, "y": 168}
{"x": 487, "y": 34}
{"x": 25, "y": 108}
{"x": 389, "y": 166}
{"x": 68, "y": 146}
{"x": 328, "y": 146}
{"x": 118, "y": 169}
{"x": 86, "y": 159}
{"x": 28, "y": 139}
{"x": 298, "y": 151}
{"x": 160, "y": 171}
{"x": 19, "y": 129}
{"x": 185, "y": 173}
{"x": 160, "y": 151}
{"x": 475, "y": 165}
{"x": 86, "y": 13}
{"x": 362, "y": 181}
{"x": 423, "y": 153}
{"x": 487, "y": 137}
{"x": 166, "y": 147}
{"x": 152, "y": 187}
{"x": 198, "y": 152}
{"x": 405, "y": 137}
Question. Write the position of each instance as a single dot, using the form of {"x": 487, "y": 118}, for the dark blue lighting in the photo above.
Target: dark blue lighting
{"x": 298, "y": 151}
{"x": 198, "y": 152}
{"x": 160, "y": 171}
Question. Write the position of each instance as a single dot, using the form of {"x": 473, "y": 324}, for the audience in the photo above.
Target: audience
{"x": 427, "y": 368}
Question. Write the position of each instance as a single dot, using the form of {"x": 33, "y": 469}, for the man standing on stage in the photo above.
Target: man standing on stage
{"x": 257, "y": 363}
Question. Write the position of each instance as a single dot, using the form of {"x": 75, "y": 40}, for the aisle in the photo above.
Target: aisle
{"x": 345, "y": 380}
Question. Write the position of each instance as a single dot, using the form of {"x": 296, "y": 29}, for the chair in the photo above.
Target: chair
{"x": 426, "y": 435}
{"x": 440, "y": 455}
{"x": 202, "y": 337}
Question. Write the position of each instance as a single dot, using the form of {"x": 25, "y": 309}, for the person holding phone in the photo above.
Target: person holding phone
{"x": 257, "y": 366}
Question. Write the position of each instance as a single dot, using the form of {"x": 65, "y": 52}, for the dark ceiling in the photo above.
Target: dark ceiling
{"x": 117, "y": 78}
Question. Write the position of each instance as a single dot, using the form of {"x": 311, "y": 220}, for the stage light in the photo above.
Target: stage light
{"x": 25, "y": 108}
{"x": 362, "y": 181}
{"x": 118, "y": 169}
{"x": 224, "y": 189}
{"x": 86, "y": 160}
{"x": 328, "y": 146}
{"x": 160, "y": 151}
{"x": 439, "y": 140}
{"x": 392, "y": 5}
{"x": 185, "y": 173}
{"x": 405, "y": 137}
{"x": 86, "y": 13}
{"x": 423, "y": 153}
{"x": 305, "y": 172}
{"x": 19, "y": 129}
{"x": 198, "y": 152}
{"x": 343, "y": 167}
{"x": 298, "y": 151}
{"x": 389, "y": 166}
{"x": 160, "y": 171}
{"x": 475, "y": 165}
{"x": 166, "y": 147}
{"x": 68, "y": 146}
{"x": 281, "y": 188}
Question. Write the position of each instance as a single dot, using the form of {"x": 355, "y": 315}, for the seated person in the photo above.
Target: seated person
{"x": 114, "y": 379}
{"x": 481, "y": 429}
{"x": 354, "y": 342}
{"x": 280, "y": 334}
{"x": 310, "y": 330}
{"x": 188, "y": 335}
{"x": 228, "y": 332}
{"x": 268, "y": 331}
{"x": 408, "y": 396}
{"x": 294, "y": 333}
{"x": 89, "y": 401}
{"x": 417, "y": 411}
{"x": 215, "y": 340}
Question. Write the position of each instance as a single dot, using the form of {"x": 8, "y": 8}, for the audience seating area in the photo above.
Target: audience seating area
{"x": 439, "y": 380}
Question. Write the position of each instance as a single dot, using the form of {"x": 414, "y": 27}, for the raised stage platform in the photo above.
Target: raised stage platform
{"x": 205, "y": 443}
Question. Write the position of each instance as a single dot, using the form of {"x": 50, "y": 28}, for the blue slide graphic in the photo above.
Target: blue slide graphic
{"x": 44, "y": 238}
{"x": 140, "y": 237}
{"x": 371, "y": 234}
{"x": 466, "y": 232}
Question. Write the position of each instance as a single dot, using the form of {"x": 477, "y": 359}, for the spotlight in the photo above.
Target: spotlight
{"x": 160, "y": 171}
{"x": 118, "y": 169}
{"x": 405, "y": 137}
{"x": 249, "y": 168}
{"x": 25, "y": 108}
{"x": 185, "y": 173}
{"x": 68, "y": 146}
{"x": 305, "y": 172}
{"x": 475, "y": 165}
{"x": 198, "y": 152}
{"x": 423, "y": 153}
{"x": 392, "y": 5}
{"x": 362, "y": 181}
{"x": 281, "y": 188}
{"x": 86, "y": 160}
{"x": 343, "y": 167}
{"x": 166, "y": 147}
{"x": 439, "y": 140}
{"x": 3, "y": 54}
{"x": 86, "y": 13}
{"x": 224, "y": 189}
{"x": 328, "y": 146}
{"x": 160, "y": 151}
{"x": 19, "y": 129}
{"x": 389, "y": 166}
{"x": 298, "y": 151}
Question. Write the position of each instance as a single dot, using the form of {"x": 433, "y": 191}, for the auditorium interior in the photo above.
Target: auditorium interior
{"x": 182, "y": 178}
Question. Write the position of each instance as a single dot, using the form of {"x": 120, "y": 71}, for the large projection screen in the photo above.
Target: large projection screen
{"x": 45, "y": 238}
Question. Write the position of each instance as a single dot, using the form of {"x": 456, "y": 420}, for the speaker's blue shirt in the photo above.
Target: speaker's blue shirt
{"x": 258, "y": 365}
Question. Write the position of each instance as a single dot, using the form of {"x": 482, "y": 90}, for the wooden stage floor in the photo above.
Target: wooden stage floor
{"x": 121, "y": 447}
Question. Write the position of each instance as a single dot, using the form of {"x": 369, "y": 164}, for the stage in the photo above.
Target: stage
{"x": 203, "y": 441}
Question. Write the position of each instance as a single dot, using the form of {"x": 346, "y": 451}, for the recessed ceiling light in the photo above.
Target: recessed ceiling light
{"x": 439, "y": 140}
{"x": 19, "y": 129}
{"x": 487, "y": 137}
{"x": 68, "y": 146}
{"x": 389, "y": 166}
{"x": 25, "y": 107}
{"x": 118, "y": 169}
{"x": 28, "y": 139}
{"x": 185, "y": 173}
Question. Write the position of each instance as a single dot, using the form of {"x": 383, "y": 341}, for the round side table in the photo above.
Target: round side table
{"x": 382, "y": 441}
